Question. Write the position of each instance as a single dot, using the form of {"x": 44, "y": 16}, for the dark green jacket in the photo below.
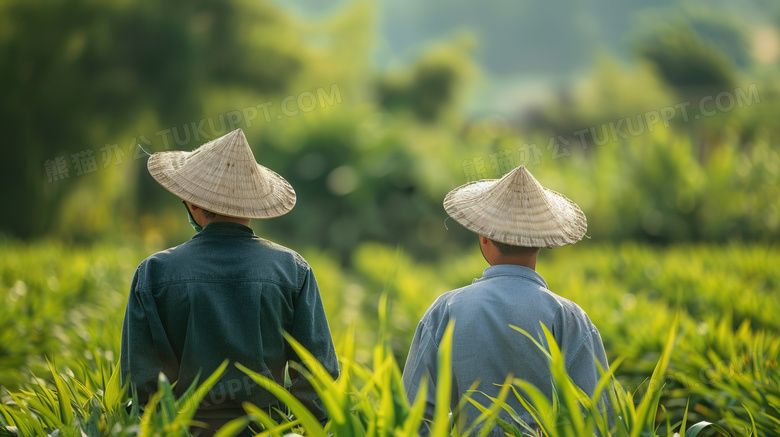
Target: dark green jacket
{"x": 225, "y": 294}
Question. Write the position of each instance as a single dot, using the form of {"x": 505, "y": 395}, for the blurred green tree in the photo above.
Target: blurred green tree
{"x": 434, "y": 85}
{"x": 698, "y": 52}
{"x": 78, "y": 73}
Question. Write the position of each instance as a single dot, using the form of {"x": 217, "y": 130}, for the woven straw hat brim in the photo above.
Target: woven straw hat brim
{"x": 253, "y": 191}
{"x": 517, "y": 210}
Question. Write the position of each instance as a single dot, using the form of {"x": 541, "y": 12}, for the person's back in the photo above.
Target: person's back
{"x": 226, "y": 294}
{"x": 486, "y": 348}
{"x": 514, "y": 217}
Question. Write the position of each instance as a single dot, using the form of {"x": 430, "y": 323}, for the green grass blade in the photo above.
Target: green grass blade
{"x": 280, "y": 428}
{"x": 694, "y": 430}
{"x": 417, "y": 411}
{"x": 322, "y": 382}
{"x": 441, "y": 423}
{"x": 566, "y": 390}
{"x": 149, "y": 418}
{"x": 259, "y": 416}
{"x": 537, "y": 404}
{"x": 233, "y": 428}
{"x": 65, "y": 409}
{"x": 489, "y": 415}
{"x": 684, "y": 423}
{"x": 187, "y": 409}
{"x": 752, "y": 421}
{"x": 309, "y": 422}
{"x": 536, "y": 342}
{"x": 167, "y": 400}
{"x": 645, "y": 412}
{"x": 114, "y": 393}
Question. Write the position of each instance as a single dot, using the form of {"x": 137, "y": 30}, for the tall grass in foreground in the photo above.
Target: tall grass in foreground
{"x": 363, "y": 401}
{"x": 67, "y": 407}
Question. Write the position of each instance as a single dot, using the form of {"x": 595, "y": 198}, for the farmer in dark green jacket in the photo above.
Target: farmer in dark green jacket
{"x": 226, "y": 293}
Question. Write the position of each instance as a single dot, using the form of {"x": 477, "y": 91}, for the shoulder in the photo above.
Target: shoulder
{"x": 284, "y": 252}
{"x": 156, "y": 263}
{"x": 287, "y": 260}
{"x": 443, "y": 304}
{"x": 571, "y": 312}
{"x": 162, "y": 257}
{"x": 576, "y": 328}
{"x": 442, "y": 310}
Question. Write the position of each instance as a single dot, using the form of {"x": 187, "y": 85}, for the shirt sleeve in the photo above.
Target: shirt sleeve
{"x": 310, "y": 328}
{"x": 143, "y": 354}
{"x": 422, "y": 363}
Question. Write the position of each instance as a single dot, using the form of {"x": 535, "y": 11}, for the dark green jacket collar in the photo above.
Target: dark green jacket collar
{"x": 226, "y": 229}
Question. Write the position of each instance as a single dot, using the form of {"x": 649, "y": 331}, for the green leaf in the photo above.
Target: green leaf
{"x": 281, "y": 428}
{"x": 259, "y": 416}
{"x": 567, "y": 391}
{"x": 441, "y": 412}
{"x": 114, "y": 393}
{"x": 752, "y": 421}
{"x": 189, "y": 406}
{"x": 417, "y": 411}
{"x": 685, "y": 417}
{"x": 699, "y": 427}
{"x": 167, "y": 400}
{"x": 307, "y": 419}
{"x": 149, "y": 418}
{"x": 322, "y": 382}
{"x": 645, "y": 412}
{"x": 66, "y": 410}
{"x": 537, "y": 404}
{"x": 489, "y": 415}
{"x": 233, "y": 428}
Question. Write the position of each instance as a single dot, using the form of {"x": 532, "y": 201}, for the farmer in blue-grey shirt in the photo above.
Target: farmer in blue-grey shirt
{"x": 226, "y": 293}
{"x": 514, "y": 217}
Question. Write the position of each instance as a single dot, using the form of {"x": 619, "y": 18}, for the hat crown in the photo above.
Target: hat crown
{"x": 222, "y": 176}
{"x": 518, "y": 186}
{"x": 225, "y": 159}
{"x": 517, "y": 210}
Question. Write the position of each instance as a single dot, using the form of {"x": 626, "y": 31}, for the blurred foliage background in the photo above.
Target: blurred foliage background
{"x": 657, "y": 118}
{"x": 660, "y": 126}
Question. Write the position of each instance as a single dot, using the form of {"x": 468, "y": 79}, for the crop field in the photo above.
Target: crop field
{"x": 658, "y": 119}
{"x": 704, "y": 317}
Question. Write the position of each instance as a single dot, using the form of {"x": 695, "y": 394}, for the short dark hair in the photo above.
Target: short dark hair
{"x": 208, "y": 214}
{"x": 508, "y": 249}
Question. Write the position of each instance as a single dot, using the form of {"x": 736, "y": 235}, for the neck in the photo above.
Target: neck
{"x": 222, "y": 218}
{"x": 516, "y": 260}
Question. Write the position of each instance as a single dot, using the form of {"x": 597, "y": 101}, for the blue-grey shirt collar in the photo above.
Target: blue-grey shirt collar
{"x": 511, "y": 270}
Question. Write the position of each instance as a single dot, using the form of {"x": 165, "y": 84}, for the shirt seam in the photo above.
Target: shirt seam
{"x": 570, "y": 354}
{"x": 213, "y": 281}
{"x": 428, "y": 331}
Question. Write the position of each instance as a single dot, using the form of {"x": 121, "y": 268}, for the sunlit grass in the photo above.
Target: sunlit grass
{"x": 68, "y": 303}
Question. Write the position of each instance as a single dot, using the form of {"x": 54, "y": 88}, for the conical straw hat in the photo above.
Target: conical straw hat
{"x": 222, "y": 176}
{"x": 517, "y": 210}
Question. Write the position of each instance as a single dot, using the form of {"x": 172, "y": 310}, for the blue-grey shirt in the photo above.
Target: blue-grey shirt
{"x": 225, "y": 294}
{"x": 485, "y": 348}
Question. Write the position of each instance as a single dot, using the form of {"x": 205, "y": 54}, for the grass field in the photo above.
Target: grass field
{"x": 719, "y": 302}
